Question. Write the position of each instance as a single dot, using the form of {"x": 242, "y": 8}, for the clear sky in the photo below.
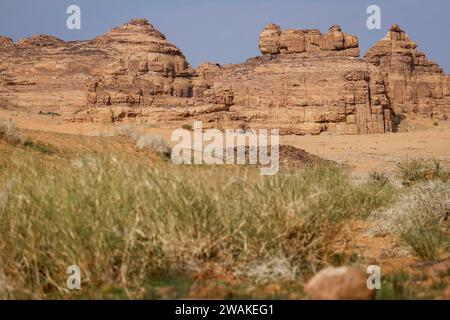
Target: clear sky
{"x": 227, "y": 31}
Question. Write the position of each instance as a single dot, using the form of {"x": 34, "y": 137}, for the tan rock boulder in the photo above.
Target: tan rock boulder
{"x": 301, "y": 94}
{"x": 343, "y": 283}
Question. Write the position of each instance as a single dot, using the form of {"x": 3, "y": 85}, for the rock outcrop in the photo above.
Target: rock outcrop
{"x": 415, "y": 84}
{"x": 5, "y": 41}
{"x": 305, "y": 82}
{"x": 274, "y": 41}
{"x": 130, "y": 67}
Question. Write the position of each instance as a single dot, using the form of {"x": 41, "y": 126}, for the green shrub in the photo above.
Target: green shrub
{"x": 378, "y": 178}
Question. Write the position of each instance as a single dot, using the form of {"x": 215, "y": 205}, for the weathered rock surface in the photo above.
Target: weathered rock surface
{"x": 303, "y": 95}
{"x": 274, "y": 41}
{"x": 305, "y": 82}
{"x": 5, "y": 41}
{"x": 415, "y": 84}
{"x": 131, "y": 66}
{"x": 343, "y": 283}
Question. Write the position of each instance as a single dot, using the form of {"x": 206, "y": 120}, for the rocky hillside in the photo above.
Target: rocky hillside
{"x": 305, "y": 82}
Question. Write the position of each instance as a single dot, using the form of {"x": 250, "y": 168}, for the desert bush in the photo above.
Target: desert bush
{"x": 415, "y": 170}
{"x": 155, "y": 143}
{"x": 9, "y": 133}
{"x": 122, "y": 221}
{"x": 378, "y": 178}
{"x": 420, "y": 219}
{"x": 128, "y": 131}
{"x": 143, "y": 140}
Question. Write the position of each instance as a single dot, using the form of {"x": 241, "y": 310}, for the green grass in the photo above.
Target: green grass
{"x": 123, "y": 221}
{"x": 428, "y": 241}
{"x": 416, "y": 170}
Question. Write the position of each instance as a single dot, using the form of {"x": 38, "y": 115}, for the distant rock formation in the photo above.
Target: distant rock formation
{"x": 415, "y": 84}
{"x": 305, "y": 82}
{"x": 274, "y": 41}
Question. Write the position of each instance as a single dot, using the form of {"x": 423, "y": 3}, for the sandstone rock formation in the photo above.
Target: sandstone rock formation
{"x": 274, "y": 41}
{"x": 415, "y": 84}
{"x": 305, "y": 82}
{"x": 5, "y": 41}
{"x": 129, "y": 67}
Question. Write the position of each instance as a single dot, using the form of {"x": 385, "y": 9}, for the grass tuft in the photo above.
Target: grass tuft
{"x": 123, "y": 221}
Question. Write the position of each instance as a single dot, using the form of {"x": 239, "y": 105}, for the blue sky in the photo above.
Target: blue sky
{"x": 227, "y": 31}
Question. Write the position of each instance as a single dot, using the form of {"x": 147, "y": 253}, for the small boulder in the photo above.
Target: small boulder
{"x": 343, "y": 283}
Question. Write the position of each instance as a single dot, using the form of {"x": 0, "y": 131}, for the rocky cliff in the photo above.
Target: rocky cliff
{"x": 305, "y": 82}
{"x": 415, "y": 84}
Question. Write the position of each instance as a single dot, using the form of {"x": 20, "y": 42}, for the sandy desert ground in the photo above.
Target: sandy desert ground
{"x": 364, "y": 154}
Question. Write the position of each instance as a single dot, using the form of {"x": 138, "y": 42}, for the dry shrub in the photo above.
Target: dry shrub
{"x": 415, "y": 170}
{"x": 420, "y": 219}
{"x": 9, "y": 133}
{"x": 142, "y": 140}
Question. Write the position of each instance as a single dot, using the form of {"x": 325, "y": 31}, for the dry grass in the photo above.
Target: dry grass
{"x": 421, "y": 219}
{"x": 124, "y": 222}
{"x": 152, "y": 142}
{"x": 416, "y": 170}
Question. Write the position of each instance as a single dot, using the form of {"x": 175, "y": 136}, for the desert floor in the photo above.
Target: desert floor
{"x": 363, "y": 154}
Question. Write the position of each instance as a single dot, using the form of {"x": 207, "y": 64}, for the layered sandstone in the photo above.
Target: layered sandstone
{"x": 132, "y": 66}
{"x": 302, "y": 95}
{"x": 305, "y": 82}
{"x": 415, "y": 84}
{"x": 273, "y": 40}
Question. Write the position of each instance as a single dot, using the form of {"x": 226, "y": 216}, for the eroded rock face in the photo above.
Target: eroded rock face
{"x": 305, "y": 83}
{"x": 335, "y": 42}
{"x": 130, "y": 67}
{"x": 415, "y": 84}
{"x": 5, "y": 41}
{"x": 303, "y": 95}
